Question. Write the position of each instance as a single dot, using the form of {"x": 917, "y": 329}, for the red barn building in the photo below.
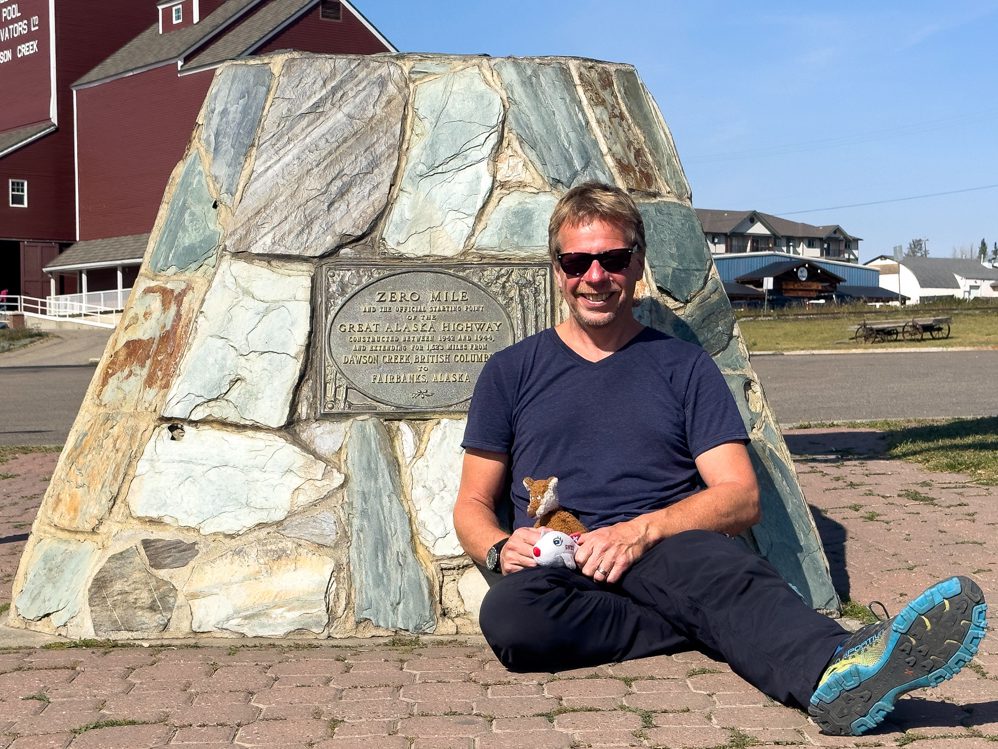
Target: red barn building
{"x": 43, "y": 49}
{"x": 130, "y": 107}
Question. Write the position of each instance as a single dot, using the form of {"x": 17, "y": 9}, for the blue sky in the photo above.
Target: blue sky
{"x": 784, "y": 106}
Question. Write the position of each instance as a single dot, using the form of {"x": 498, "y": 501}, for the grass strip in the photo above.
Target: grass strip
{"x": 9, "y": 451}
{"x": 109, "y": 724}
{"x": 972, "y": 328}
{"x": 11, "y": 339}
{"x": 967, "y": 446}
{"x": 88, "y": 644}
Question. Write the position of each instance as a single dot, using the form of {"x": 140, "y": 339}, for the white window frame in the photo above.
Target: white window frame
{"x": 178, "y": 14}
{"x": 22, "y": 193}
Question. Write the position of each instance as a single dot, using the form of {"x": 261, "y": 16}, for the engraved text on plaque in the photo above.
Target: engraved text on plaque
{"x": 416, "y": 338}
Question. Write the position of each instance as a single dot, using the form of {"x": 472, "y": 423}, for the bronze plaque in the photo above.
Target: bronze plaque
{"x": 415, "y": 338}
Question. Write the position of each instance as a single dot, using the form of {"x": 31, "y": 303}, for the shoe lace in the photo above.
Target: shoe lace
{"x": 865, "y": 636}
{"x": 883, "y": 609}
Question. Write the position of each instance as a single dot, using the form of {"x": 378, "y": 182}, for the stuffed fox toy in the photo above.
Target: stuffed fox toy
{"x": 545, "y": 507}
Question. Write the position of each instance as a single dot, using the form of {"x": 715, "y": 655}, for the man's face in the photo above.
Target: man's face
{"x": 598, "y": 298}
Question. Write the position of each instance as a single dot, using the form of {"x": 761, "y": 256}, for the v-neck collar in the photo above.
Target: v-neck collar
{"x": 583, "y": 360}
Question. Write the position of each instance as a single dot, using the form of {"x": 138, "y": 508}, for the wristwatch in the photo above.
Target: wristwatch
{"x": 492, "y": 557}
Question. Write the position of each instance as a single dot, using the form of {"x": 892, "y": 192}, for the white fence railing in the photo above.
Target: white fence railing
{"x": 96, "y": 308}
{"x": 75, "y": 304}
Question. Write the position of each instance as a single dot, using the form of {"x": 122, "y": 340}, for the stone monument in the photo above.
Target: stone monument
{"x": 270, "y": 444}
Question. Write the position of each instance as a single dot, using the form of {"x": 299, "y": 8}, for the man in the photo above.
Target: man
{"x": 650, "y": 453}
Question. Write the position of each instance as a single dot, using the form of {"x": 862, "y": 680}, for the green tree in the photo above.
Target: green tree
{"x": 982, "y": 253}
{"x": 917, "y": 248}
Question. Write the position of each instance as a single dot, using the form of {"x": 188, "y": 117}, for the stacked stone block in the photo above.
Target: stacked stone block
{"x": 200, "y": 491}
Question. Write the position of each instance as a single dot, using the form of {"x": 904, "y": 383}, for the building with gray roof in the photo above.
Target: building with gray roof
{"x": 134, "y": 111}
{"x": 923, "y": 278}
{"x": 737, "y": 232}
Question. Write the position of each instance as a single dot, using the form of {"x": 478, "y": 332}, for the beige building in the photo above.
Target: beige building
{"x": 732, "y": 232}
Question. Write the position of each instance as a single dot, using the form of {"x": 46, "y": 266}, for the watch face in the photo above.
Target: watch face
{"x": 492, "y": 559}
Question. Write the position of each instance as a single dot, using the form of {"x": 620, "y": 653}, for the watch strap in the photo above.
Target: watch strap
{"x": 493, "y": 556}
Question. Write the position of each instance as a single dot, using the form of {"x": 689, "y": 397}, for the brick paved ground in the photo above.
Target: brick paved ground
{"x": 890, "y": 529}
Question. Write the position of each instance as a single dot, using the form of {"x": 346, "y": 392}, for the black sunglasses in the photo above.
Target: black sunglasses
{"x": 574, "y": 264}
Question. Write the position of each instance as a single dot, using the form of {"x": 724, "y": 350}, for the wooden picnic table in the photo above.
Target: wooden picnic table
{"x": 915, "y": 329}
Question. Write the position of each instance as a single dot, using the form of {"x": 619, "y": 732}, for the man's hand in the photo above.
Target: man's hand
{"x": 605, "y": 554}
{"x": 518, "y": 553}
{"x": 729, "y": 504}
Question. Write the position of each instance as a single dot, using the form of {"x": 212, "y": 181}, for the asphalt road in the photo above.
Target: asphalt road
{"x": 38, "y": 404}
{"x": 896, "y": 385}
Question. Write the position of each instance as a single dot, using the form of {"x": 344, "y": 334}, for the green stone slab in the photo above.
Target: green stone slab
{"x": 190, "y": 233}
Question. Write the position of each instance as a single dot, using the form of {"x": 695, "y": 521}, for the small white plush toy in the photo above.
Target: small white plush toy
{"x": 555, "y": 549}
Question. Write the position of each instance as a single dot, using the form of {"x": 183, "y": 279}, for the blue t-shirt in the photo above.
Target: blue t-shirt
{"x": 620, "y": 434}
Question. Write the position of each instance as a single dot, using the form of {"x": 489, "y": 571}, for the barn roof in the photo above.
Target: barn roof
{"x": 22, "y": 136}
{"x": 151, "y": 48}
{"x": 101, "y": 253}
{"x": 257, "y": 28}
{"x": 233, "y": 29}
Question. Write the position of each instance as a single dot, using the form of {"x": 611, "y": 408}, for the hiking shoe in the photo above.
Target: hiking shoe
{"x": 929, "y": 641}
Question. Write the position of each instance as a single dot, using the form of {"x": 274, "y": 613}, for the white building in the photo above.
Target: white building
{"x": 925, "y": 278}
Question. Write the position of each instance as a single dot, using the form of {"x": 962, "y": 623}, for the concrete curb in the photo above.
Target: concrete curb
{"x": 15, "y": 637}
{"x": 824, "y": 352}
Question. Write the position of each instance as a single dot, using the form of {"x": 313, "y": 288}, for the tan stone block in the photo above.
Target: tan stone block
{"x": 657, "y": 667}
{"x": 364, "y": 742}
{"x": 465, "y": 725}
{"x": 773, "y": 716}
{"x": 214, "y": 715}
{"x": 102, "y": 449}
{"x": 142, "y": 358}
{"x": 549, "y": 739}
{"x": 509, "y": 707}
{"x": 370, "y": 693}
{"x": 435, "y": 692}
{"x": 676, "y": 737}
{"x": 320, "y": 695}
{"x": 616, "y": 720}
{"x": 292, "y": 712}
{"x": 383, "y": 679}
{"x": 515, "y": 690}
{"x": 354, "y": 710}
{"x": 660, "y": 701}
{"x": 514, "y": 725}
{"x": 123, "y": 737}
{"x": 586, "y": 688}
{"x": 51, "y": 741}
{"x": 269, "y": 733}
{"x": 55, "y": 718}
{"x": 379, "y": 727}
{"x": 204, "y": 735}
{"x": 439, "y": 742}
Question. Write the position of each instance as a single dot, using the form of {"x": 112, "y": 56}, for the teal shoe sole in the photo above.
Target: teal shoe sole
{"x": 931, "y": 639}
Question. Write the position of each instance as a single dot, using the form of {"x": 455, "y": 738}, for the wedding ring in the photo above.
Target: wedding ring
{"x": 601, "y": 571}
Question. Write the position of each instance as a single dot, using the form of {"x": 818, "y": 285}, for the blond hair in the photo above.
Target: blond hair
{"x": 595, "y": 201}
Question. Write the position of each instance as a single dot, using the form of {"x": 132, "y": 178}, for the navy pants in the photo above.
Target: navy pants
{"x": 694, "y": 590}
